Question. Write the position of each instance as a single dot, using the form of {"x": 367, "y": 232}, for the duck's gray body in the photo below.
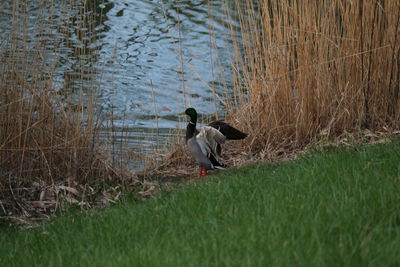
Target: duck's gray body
{"x": 197, "y": 149}
{"x": 200, "y": 149}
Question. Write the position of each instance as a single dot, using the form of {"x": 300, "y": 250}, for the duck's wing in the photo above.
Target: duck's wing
{"x": 227, "y": 130}
{"x": 213, "y": 138}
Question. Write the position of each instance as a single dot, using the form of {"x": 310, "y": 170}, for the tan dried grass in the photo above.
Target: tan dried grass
{"x": 308, "y": 72}
{"x": 306, "y": 69}
{"x": 47, "y": 143}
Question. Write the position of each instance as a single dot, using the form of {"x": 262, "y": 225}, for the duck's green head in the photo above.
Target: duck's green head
{"x": 191, "y": 112}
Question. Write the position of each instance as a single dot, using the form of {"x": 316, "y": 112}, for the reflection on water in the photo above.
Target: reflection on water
{"x": 140, "y": 58}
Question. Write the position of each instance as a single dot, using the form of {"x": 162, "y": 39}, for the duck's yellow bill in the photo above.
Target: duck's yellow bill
{"x": 182, "y": 113}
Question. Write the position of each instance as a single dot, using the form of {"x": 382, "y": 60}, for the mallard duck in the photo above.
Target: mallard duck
{"x": 205, "y": 145}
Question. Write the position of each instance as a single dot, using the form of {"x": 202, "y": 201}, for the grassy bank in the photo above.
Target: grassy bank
{"x": 339, "y": 207}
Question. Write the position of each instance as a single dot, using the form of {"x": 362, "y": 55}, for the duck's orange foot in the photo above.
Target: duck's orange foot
{"x": 202, "y": 173}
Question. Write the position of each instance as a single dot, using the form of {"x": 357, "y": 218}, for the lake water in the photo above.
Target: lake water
{"x": 144, "y": 60}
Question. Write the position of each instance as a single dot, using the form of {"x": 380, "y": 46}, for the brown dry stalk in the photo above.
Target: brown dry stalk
{"x": 299, "y": 62}
{"x": 43, "y": 142}
{"x": 305, "y": 71}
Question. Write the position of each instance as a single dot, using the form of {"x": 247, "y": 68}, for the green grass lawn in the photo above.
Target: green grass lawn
{"x": 338, "y": 208}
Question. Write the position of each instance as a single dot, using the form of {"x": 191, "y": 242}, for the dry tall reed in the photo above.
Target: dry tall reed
{"x": 47, "y": 138}
{"x": 306, "y": 69}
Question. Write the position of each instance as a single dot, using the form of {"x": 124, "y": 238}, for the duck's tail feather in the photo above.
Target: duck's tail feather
{"x": 219, "y": 167}
{"x": 215, "y": 163}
